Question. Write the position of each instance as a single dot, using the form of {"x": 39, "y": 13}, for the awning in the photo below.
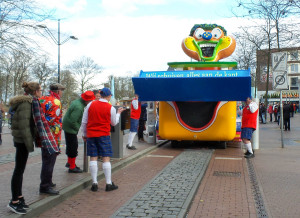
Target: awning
{"x": 193, "y": 85}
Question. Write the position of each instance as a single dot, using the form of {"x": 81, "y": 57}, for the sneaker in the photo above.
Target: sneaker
{"x": 22, "y": 201}
{"x": 49, "y": 191}
{"x": 16, "y": 207}
{"x": 249, "y": 155}
{"x": 110, "y": 187}
{"x": 75, "y": 170}
{"x": 131, "y": 147}
{"x": 94, "y": 187}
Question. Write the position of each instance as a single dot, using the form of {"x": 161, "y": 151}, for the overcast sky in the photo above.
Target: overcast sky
{"x": 126, "y": 36}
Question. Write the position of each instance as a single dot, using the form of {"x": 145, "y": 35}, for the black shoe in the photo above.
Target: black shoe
{"x": 52, "y": 185}
{"x": 130, "y": 147}
{"x": 249, "y": 155}
{"x": 22, "y": 201}
{"x": 247, "y": 152}
{"x": 94, "y": 187}
{"x": 110, "y": 187}
{"x": 68, "y": 166}
{"x": 75, "y": 170}
{"x": 49, "y": 191}
{"x": 16, "y": 207}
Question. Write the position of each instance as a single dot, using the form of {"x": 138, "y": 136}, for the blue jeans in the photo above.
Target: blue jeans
{"x": 263, "y": 116}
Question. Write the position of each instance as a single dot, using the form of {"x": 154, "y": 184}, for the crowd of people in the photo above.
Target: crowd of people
{"x": 37, "y": 121}
{"x": 249, "y": 114}
{"x": 273, "y": 109}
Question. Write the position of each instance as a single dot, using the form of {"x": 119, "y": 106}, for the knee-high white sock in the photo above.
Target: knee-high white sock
{"x": 94, "y": 170}
{"x": 249, "y": 147}
{"x": 130, "y": 138}
{"x": 107, "y": 171}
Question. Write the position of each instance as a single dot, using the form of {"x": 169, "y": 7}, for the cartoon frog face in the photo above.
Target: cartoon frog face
{"x": 208, "y": 42}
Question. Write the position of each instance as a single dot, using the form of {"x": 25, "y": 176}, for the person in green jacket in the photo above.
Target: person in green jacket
{"x": 71, "y": 126}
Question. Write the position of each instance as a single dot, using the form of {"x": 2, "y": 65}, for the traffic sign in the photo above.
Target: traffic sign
{"x": 280, "y": 80}
{"x": 279, "y": 61}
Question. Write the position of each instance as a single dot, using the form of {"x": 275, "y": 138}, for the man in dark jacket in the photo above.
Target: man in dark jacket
{"x": 142, "y": 120}
{"x": 71, "y": 126}
{"x": 286, "y": 117}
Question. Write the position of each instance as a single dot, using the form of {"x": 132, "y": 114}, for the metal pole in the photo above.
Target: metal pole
{"x": 154, "y": 132}
{"x": 85, "y": 158}
{"x": 58, "y": 43}
{"x": 281, "y": 119}
{"x": 255, "y": 138}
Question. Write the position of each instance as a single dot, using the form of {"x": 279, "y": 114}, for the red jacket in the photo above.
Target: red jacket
{"x": 99, "y": 119}
{"x": 249, "y": 119}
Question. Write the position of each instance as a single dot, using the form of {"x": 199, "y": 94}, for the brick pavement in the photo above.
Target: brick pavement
{"x": 225, "y": 191}
{"x": 130, "y": 180}
{"x": 171, "y": 191}
{"x": 31, "y": 178}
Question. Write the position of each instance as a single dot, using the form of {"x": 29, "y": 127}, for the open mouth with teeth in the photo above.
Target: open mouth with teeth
{"x": 207, "y": 51}
{"x": 196, "y": 116}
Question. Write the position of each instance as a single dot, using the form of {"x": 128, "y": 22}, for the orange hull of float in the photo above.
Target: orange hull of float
{"x": 223, "y": 128}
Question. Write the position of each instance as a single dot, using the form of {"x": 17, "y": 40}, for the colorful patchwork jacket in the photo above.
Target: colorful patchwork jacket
{"x": 53, "y": 112}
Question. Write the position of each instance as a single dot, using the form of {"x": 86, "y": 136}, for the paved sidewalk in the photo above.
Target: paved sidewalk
{"x": 278, "y": 169}
{"x": 65, "y": 181}
{"x": 265, "y": 186}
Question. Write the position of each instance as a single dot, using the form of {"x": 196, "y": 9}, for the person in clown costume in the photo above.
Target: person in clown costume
{"x": 51, "y": 106}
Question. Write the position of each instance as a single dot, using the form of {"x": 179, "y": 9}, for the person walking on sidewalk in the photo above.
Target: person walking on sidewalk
{"x": 275, "y": 111}
{"x": 53, "y": 112}
{"x": 28, "y": 125}
{"x": 286, "y": 117}
{"x": 270, "y": 111}
{"x": 71, "y": 125}
{"x": 135, "y": 114}
{"x": 96, "y": 121}
{"x": 249, "y": 123}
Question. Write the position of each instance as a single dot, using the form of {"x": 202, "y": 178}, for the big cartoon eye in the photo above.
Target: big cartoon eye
{"x": 216, "y": 33}
{"x": 198, "y": 33}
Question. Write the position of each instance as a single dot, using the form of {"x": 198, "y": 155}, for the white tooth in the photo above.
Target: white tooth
{"x": 207, "y": 45}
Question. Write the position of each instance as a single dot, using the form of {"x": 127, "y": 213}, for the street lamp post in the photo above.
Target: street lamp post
{"x": 58, "y": 43}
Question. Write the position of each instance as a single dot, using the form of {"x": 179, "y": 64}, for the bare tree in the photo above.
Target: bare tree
{"x": 68, "y": 80}
{"x": 123, "y": 87}
{"x": 272, "y": 11}
{"x": 86, "y": 72}
{"x": 17, "y": 19}
{"x": 21, "y": 63}
{"x": 42, "y": 71}
{"x": 269, "y": 15}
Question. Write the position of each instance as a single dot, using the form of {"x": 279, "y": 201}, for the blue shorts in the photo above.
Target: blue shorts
{"x": 247, "y": 133}
{"x": 134, "y": 125}
{"x": 99, "y": 146}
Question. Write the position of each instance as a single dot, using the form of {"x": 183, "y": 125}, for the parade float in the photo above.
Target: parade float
{"x": 197, "y": 99}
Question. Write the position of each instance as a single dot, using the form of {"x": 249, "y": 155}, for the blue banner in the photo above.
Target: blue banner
{"x": 195, "y": 74}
